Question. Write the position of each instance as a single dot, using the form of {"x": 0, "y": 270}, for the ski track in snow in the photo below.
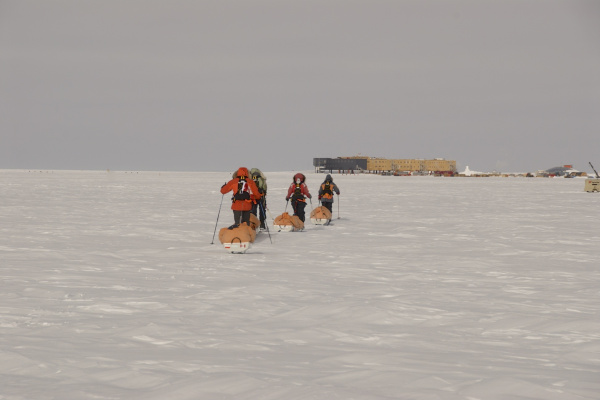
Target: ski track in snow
{"x": 425, "y": 288}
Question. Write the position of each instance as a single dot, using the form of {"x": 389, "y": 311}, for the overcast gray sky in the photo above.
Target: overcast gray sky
{"x": 193, "y": 85}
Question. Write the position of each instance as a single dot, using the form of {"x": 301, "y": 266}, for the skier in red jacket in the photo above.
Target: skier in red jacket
{"x": 244, "y": 192}
{"x": 298, "y": 192}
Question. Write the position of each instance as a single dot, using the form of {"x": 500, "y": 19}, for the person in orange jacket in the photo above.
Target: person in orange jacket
{"x": 297, "y": 192}
{"x": 244, "y": 192}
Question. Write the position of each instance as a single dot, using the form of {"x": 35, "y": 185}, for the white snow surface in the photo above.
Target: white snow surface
{"x": 423, "y": 288}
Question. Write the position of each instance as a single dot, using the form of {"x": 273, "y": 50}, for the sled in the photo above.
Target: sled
{"x": 320, "y": 216}
{"x": 237, "y": 239}
{"x": 237, "y": 247}
{"x": 285, "y": 228}
{"x": 288, "y": 223}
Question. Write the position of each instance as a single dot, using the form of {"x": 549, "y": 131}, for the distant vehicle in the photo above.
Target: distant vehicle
{"x": 420, "y": 173}
{"x": 444, "y": 173}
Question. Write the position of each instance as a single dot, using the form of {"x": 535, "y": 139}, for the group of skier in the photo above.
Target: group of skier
{"x": 249, "y": 195}
{"x": 249, "y": 189}
{"x": 298, "y": 193}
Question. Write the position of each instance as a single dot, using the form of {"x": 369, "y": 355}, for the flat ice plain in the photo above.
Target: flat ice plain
{"x": 424, "y": 288}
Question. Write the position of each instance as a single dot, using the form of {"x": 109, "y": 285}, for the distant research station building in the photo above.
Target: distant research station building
{"x": 385, "y": 166}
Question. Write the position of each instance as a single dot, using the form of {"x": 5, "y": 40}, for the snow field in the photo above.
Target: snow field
{"x": 425, "y": 288}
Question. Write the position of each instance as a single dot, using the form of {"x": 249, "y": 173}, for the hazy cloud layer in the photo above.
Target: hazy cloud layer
{"x": 211, "y": 85}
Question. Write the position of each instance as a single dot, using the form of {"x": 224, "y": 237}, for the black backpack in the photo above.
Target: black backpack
{"x": 243, "y": 193}
{"x": 297, "y": 192}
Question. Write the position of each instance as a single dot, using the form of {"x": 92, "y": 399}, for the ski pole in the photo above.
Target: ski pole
{"x": 216, "y": 223}
{"x": 286, "y": 204}
{"x": 267, "y": 208}
{"x": 270, "y": 215}
{"x": 338, "y": 206}
{"x": 266, "y": 225}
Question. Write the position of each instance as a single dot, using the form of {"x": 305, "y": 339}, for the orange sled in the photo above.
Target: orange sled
{"x": 238, "y": 239}
{"x": 320, "y": 215}
{"x": 288, "y": 223}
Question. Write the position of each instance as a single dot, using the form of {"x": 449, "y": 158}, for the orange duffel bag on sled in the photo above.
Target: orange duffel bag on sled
{"x": 320, "y": 215}
{"x": 288, "y": 223}
{"x": 237, "y": 239}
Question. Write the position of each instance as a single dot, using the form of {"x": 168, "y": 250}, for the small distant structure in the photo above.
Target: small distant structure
{"x": 593, "y": 184}
{"x": 340, "y": 164}
{"x": 386, "y": 166}
{"x": 468, "y": 172}
{"x": 565, "y": 171}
